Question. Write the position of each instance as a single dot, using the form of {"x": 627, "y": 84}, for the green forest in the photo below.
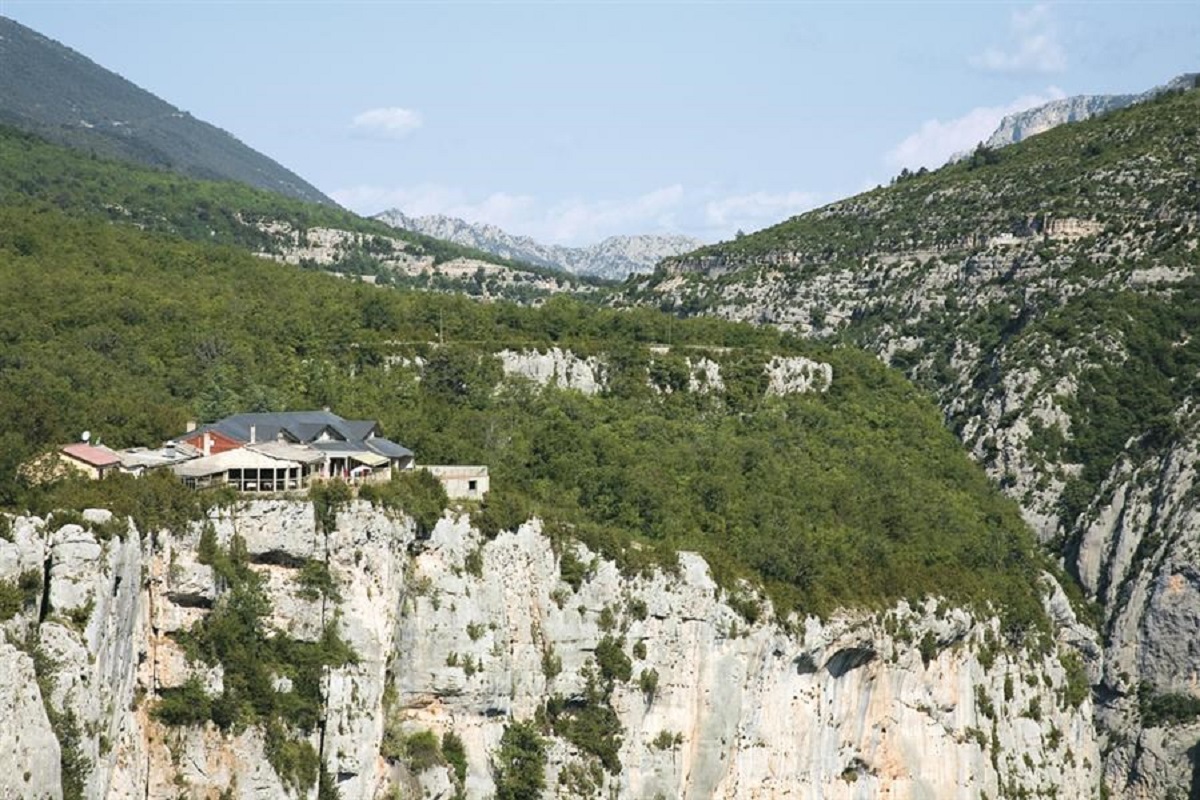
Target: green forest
{"x": 857, "y": 495}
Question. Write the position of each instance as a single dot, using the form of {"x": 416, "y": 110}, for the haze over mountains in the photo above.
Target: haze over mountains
{"x": 55, "y": 92}
{"x": 615, "y": 257}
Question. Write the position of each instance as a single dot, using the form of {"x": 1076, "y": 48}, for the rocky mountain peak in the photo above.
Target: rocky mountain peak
{"x": 615, "y": 257}
{"x": 1023, "y": 124}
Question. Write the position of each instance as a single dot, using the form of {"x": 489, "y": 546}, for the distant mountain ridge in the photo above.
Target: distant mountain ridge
{"x": 616, "y": 257}
{"x": 49, "y": 89}
{"x": 1023, "y": 124}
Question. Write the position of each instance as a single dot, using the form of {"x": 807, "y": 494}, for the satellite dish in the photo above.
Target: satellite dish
{"x": 86, "y": 435}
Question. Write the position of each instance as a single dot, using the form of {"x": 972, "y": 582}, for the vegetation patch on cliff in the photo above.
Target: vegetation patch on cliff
{"x": 255, "y": 662}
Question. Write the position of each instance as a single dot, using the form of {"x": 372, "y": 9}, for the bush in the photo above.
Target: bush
{"x": 295, "y": 761}
{"x": 520, "y": 763}
{"x": 928, "y": 647}
{"x": 455, "y": 753}
{"x": 417, "y": 493}
{"x": 473, "y": 562}
{"x": 1078, "y": 686}
{"x": 637, "y": 609}
{"x": 186, "y": 705}
{"x": 422, "y": 751}
{"x": 316, "y": 581}
{"x": 1166, "y": 708}
{"x": 11, "y": 600}
{"x": 208, "y": 551}
{"x": 501, "y": 510}
{"x": 155, "y": 501}
{"x": 551, "y": 664}
{"x": 328, "y": 499}
{"x": 665, "y": 740}
{"x": 588, "y": 722}
{"x": 572, "y": 570}
{"x": 234, "y": 635}
{"x": 613, "y": 662}
{"x": 648, "y": 683}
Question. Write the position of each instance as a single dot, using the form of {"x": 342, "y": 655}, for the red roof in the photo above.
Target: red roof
{"x": 96, "y": 456}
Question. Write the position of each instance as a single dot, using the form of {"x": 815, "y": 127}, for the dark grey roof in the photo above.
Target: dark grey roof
{"x": 339, "y": 447}
{"x": 386, "y": 447}
{"x": 361, "y": 428}
{"x": 305, "y": 427}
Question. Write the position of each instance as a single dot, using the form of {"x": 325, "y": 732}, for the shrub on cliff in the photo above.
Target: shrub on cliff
{"x": 520, "y": 763}
{"x": 416, "y": 493}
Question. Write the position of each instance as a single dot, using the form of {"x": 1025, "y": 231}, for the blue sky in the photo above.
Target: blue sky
{"x": 574, "y": 121}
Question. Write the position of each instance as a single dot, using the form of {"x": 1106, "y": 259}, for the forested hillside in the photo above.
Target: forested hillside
{"x": 129, "y": 334}
{"x": 307, "y": 234}
{"x": 1046, "y": 295}
{"x": 53, "y": 91}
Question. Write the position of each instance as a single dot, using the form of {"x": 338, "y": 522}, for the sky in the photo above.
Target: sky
{"x": 573, "y": 121}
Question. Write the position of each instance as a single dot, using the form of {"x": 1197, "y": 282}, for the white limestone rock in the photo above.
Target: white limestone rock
{"x": 797, "y": 375}
{"x": 556, "y": 367}
{"x": 74, "y": 568}
{"x": 29, "y": 752}
{"x": 845, "y": 707}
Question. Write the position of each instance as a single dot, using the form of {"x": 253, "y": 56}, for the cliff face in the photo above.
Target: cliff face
{"x": 459, "y": 634}
{"x": 1051, "y": 318}
{"x": 1137, "y": 554}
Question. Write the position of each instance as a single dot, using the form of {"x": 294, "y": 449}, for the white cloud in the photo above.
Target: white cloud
{"x": 749, "y": 212}
{"x": 387, "y": 123}
{"x": 579, "y": 221}
{"x": 1034, "y": 45}
{"x": 935, "y": 142}
{"x": 706, "y": 214}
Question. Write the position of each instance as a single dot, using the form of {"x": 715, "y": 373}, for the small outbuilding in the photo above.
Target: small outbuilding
{"x": 461, "y": 482}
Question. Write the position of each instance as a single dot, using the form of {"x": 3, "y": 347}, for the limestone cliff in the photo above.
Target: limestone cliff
{"x": 1044, "y": 298}
{"x": 457, "y": 633}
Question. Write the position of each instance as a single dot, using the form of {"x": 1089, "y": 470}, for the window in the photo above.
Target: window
{"x": 472, "y": 486}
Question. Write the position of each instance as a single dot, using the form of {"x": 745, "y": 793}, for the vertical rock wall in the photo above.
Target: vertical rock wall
{"x": 459, "y": 634}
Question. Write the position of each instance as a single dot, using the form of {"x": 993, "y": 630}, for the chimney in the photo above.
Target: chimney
{"x": 252, "y": 432}
{"x": 207, "y": 445}
{"x": 191, "y": 426}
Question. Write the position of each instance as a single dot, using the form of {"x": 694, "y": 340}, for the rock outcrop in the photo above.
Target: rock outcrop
{"x": 28, "y": 747}
{"x": 459, "y": 634}
{"x": 1023, "y": 124}
{"x": 555, "y": 367}
{"x": 565, "y": 370}
{"x": 374, "y": 258}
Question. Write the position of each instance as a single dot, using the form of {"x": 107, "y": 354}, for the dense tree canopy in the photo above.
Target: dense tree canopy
{"x": 853, "y": 495}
